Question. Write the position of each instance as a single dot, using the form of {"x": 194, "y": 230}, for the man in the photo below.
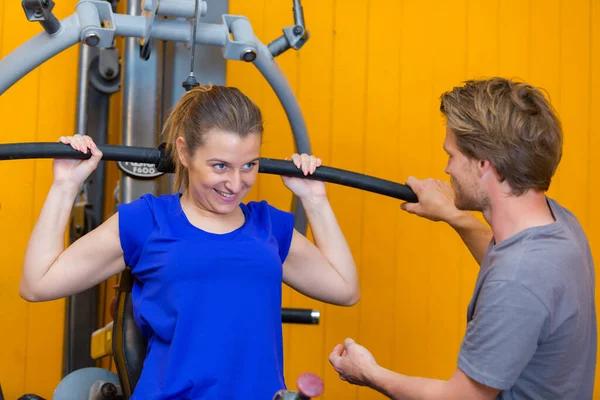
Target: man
{"x": 531, "y": 331}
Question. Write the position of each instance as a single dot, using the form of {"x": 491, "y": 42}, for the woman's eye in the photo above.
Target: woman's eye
{"x": 219, "y": 166}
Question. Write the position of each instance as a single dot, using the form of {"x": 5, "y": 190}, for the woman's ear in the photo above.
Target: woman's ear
{"x": 182, "y": 152}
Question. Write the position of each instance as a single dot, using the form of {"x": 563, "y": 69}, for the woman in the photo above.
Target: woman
{"x": 208, "y": 267}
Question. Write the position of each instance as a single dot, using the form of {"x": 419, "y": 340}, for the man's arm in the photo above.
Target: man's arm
{"x": 502, "y": 338}
{"x": 356, "y": 365}
{"x": 436, "y": 203}
{"x": 475, "y": 234}
{"x": 401, "y": 387}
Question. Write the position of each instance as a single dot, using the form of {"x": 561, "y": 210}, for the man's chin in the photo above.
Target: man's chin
{"x": 465, "y": 206}
{"x": 461, "y": 207}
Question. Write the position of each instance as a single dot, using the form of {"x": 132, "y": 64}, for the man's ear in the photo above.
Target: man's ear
{"x": 484, "y": 166}
{"x": 182, "y": 152}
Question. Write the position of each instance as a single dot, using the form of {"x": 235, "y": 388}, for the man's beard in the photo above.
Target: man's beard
{"x": 469, "y": 200}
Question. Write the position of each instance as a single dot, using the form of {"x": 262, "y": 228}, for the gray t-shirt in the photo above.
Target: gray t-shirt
{"x": 531, "y": 324}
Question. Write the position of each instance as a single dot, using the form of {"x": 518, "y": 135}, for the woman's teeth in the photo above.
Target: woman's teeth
{"x": 228, "y": 195}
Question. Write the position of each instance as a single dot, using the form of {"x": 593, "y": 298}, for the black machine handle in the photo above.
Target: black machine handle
{"x": 159, "y": 157}
{"x": 300, "y": 316}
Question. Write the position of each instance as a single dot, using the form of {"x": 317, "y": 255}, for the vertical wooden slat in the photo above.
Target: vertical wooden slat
{"x": 574, "y": 100}
{"x": 594, "y": 146}
{"x": 545, "y": 56}
{"x": 306, "y": 351}
{"x": 447, "y": 317}
{"x": 482, "y": 39}
{"x": 18, "y": 112}
{"x": 378, "y": 283}
{"x": 347, "y": 152}
{"x": 482, "y": 62}
{"x": 417, "y": 106}
{"x": 2, "y": 6}
{"x": 513, "y": 38}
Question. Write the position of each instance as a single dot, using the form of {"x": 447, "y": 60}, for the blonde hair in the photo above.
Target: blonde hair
{"x": 509, "y": 123}
{"x": 204, "y": 108}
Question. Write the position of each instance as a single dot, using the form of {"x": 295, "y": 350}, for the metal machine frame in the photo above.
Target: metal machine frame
{"x": 159, "y": 35}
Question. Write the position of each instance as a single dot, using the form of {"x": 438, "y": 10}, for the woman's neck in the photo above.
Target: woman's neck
{"x": 208, "y": 220}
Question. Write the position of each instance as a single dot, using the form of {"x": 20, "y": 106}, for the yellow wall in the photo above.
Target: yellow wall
{"x": 368, "y": 82}
{"x": 40, "y": 107}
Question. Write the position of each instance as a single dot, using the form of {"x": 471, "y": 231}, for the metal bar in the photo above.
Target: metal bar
{"x": 141, "y": 105}
{"x": 159, "y": 158}
{"x": 269, "y": 68}
{"x": 300, "y": 316}
{"x": 85, "y": 57}
{"x": 36, "y": 51}
{"x": 170, "y": 30}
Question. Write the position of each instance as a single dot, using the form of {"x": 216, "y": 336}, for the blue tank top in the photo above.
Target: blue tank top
{"x": 209, "y": 304}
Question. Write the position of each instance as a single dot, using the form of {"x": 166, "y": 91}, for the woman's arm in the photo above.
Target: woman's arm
{"x": 50, "y": 271}
{"x": 324, "y": 270}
